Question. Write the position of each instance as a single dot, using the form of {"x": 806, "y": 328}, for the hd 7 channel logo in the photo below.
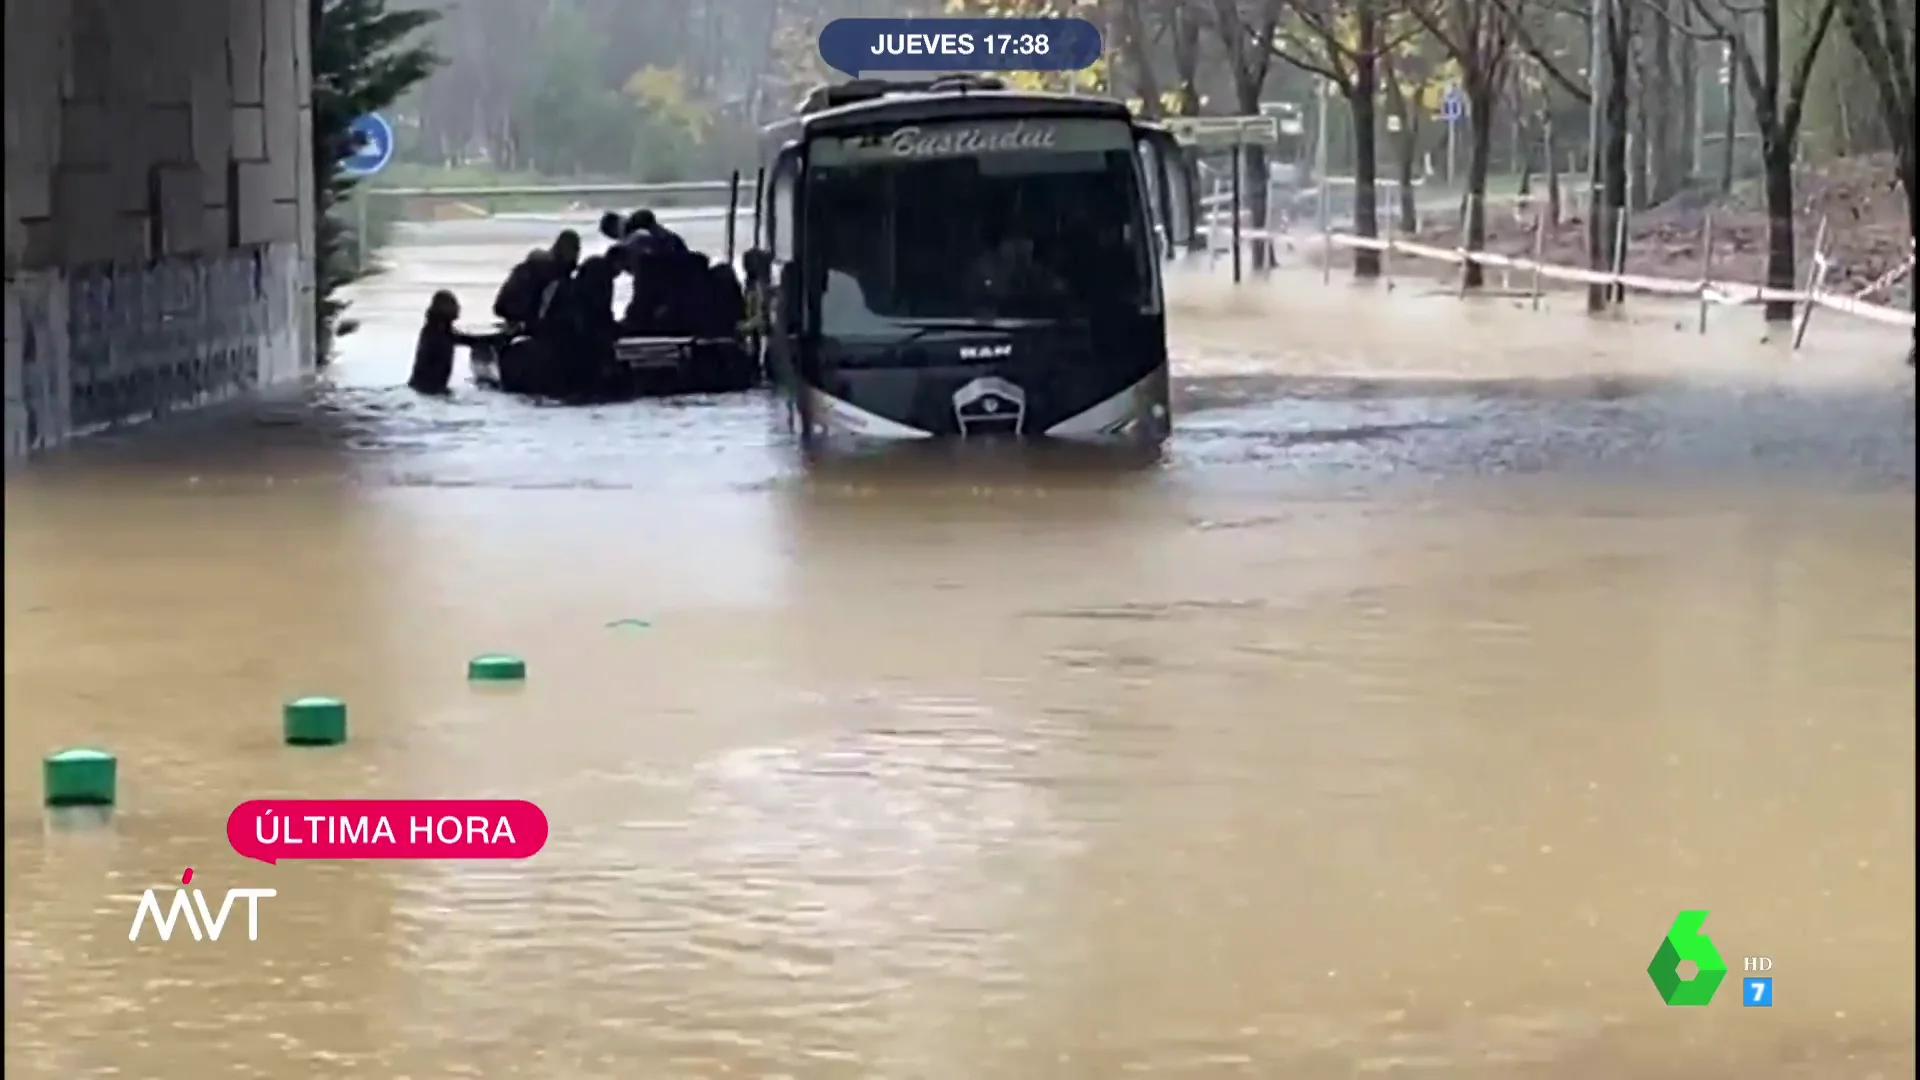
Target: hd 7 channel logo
{"x": 1687, "y": 969}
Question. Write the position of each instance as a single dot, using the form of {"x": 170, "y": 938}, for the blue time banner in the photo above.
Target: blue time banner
{"x": 856, "y": 46}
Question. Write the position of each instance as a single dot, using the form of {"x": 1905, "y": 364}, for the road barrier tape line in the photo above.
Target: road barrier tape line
{"x": 1861, "y": 309}
{"x": 1887, "y": 280}
{"x": 1727, "y": 293}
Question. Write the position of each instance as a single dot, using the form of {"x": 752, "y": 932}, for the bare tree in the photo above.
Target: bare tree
{"x": 1479, "y": 36}
{"x": 1137, "y": 36}
{"x": 1883, "y": 33}
{"x": 1779, "y": 95}
{"x": 1406, "y": 72}
{"x": 1183, "y": 21}
{"x": 1344, "y": 42}
{"x": 1247, "y": 38}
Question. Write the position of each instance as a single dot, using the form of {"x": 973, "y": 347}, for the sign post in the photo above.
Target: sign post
{"x": 372, "y": 139}
{"x": 1320, "y": 154}
{"x": 1453, "y": 106}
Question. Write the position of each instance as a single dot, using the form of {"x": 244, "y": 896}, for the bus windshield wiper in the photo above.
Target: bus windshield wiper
{"x": 924, "y": 328}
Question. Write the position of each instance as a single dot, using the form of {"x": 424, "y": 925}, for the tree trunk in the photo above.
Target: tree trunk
{"x": 1885, "y": 48}
{"x": 1640, "y": 159}
{"x": 1186, "y": 60}
{"x": 1258, "y": 182}
{"x": 1366, "y": 188}
{"x": 1777, "y": 154}
{"x": 1730, "y": 123}
{"x": 1409, "y": 166}
{"x": 1550, "y": 149}
{"x": 1361, "y": 100}
{"x": 1257, "y": 179}
{"x": 1664, "y": 115}
{"x": 1688, "y": 136}
{"x": 1616, "y": 162}
{"x": 1519, "y": 151}
{"x": 1523, "y": 149}
{"x": 1642, "y": 102}
{"x": 1479, "y": 161}
{"x": 1913, "y": 214}
{"x": 1406, "y": 151}
{"x": 1135, "y": 47}
{"x": 1607, "y": 193}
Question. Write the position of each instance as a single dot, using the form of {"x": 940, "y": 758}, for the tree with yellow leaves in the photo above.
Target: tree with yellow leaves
{"x": 1415, "y": 76}
{"x": 1088, "y": 79}
{"x": 661, "y": 92}
{"x": 1346, "y": 42}
{"x": 797, "y": 53}
{"x": 1479, "y": 36}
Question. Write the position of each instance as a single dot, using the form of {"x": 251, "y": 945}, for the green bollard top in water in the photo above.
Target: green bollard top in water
{"x": 314, "y": 721}
{"x": 496, "y": 667}
{"x": 81, "y": 777}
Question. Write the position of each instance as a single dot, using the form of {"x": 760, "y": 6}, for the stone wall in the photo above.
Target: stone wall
{"x": 159, "y": 213}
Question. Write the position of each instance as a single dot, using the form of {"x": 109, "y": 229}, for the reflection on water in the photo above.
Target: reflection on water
{"x": 1381, "y": 728}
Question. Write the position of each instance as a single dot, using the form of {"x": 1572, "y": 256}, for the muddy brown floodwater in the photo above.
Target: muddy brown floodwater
{"x": 1382, "y": 728}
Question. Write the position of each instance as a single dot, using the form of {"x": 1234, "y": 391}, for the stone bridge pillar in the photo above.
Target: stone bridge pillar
{"x": 159, "y": 208}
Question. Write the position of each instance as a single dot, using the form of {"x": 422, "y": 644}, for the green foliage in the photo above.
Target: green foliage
{"x": 568, "y": 119}
{"x": 365, "y": 58}
{"x": 565, "y": 118}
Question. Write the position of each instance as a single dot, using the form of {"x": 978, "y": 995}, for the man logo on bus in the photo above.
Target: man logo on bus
{"x": 1686, "y": 944}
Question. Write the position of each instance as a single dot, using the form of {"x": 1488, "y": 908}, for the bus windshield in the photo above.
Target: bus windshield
{"x": 987, "y": 222}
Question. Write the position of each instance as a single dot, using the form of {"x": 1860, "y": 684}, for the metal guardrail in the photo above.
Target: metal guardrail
{"x": 365, "y": 195}
{"x": 558, "y": 191}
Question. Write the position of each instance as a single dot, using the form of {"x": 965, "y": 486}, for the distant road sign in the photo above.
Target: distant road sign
{"x": 1223, "y": 131}
{"x": 373, "y": 141}
{"x": 1453, "y": 104}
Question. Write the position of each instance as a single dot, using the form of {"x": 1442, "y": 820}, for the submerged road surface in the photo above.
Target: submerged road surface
{"x": 1381, "y": 729}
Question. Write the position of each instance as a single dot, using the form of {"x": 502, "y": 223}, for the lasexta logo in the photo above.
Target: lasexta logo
{"x": 1686, "y": 943}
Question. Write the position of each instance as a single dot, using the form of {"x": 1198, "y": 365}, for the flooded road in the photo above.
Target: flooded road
{"x": 1380, "y": 729}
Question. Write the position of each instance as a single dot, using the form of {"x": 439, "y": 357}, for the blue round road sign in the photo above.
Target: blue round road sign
{"x": 373, "y": 145}
{"x": 1453, "y": 104}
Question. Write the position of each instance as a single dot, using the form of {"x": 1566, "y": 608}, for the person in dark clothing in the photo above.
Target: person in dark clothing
{"x": 566, "y": 250}
{"x": 518, "y": 301}
{"x": 645, "y": 221}
{"x": 728, "y": 302}
{"x": 592, "y": 295}
{"x": 652, "y": 274}
{"x": 579, "y": 329}
{"x": 529, "y": 286}
{"x": 637, "y": 235}
{"x": 565, "y": 254}
{"x": 433, "y": 353}
{"x": 667, "y": 293}
{"x": 688, "y": 302}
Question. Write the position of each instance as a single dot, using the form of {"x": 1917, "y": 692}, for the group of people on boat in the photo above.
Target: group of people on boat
{"x": 557, "y": 308}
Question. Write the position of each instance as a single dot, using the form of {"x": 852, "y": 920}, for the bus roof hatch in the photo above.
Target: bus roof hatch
{"x": 857, "y": 90}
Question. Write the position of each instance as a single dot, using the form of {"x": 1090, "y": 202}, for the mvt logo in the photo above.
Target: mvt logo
{"x": 192, "y": 905}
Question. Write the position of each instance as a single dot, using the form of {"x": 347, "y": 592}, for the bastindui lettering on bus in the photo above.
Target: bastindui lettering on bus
{"x": 918, "y": 142}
